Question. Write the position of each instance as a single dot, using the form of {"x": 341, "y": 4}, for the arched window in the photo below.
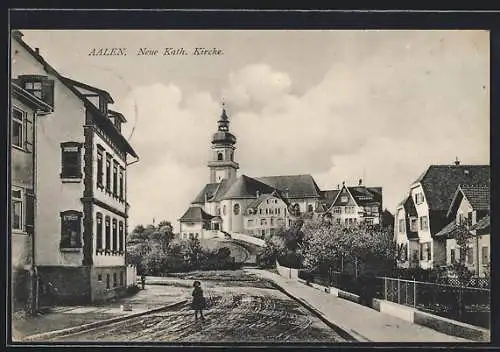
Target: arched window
{"x": 310, "y": 208}
{"x": 224, "y": 209}
{"x": 236, "y": 209}
{"x": 220, "y": 156}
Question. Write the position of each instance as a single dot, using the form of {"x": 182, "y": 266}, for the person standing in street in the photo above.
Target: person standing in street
{"x": 198, "y": 301}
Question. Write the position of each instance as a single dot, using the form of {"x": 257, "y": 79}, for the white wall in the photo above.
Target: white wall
{"x": 423, "y": 235}
{"x": 53, "y": 196}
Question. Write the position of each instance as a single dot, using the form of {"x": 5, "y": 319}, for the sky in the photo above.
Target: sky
{"x": 337, "y": 104}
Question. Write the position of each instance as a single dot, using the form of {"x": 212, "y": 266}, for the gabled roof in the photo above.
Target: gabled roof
{"x": 117, "y": 114}
{"x": 477, "y": 195}
{"x": 260, "y": 199}
{"x": 247, "y": 187}
{"x": 208, "y": 190}
{"x": 440, "y": 182}
{"x": 101, "y": 120}
{"x": 327, "y": 199}
{"x": 297, "y": 186}
{"x": 91, "y": 88}
{"x": 447, "y": 231}
{"x": 195, "y": 214}
{"x": 366, "y": 195}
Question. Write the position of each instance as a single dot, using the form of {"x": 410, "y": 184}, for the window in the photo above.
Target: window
{"x": 279, "y": 211}
{"x": 424, "y": 223}
{"x": 99, "y": 277}
{"x": 250, "y": 223}
{"x": 260, "y": 211}
{"x": 108, "y": 172}
{"x": 375, "y": 209}
{"x": 115, "y": 280}
{"x": 419, "y": 198}
{"x": 17, "y": 127}
{"x": 344, "y": 199}
{"x": 310, "y": 208}
{"x": 17, "y": 209}
{"x": 452, "y": 255}
{"x": 224, "y": 209}
{"x": 413, "y": 224}
{"x": 121, "y": 278}
{"x": 121, "y": 184}
{"x": 108, "y": 233}
{"x": 421, "y": 251}
{"x": 470, "y": 255}
{"x": 236, "y": 209}
{"x": 34, "y": 88}
{"x": 108, "y": 281}
{"x": 71, "y": 229}
{"x": 115, "y": 179}
{"x": 485, "y": 255}
{"x": 121, "y": 236}
{"x": 115, "y": 235}
{"x": 369, "y": 221}
{"x": 99, "y": 167}
{"x": 349, "y": 210}
{"x": 98, "y": 238}
{"x": 71, "y": 160}
{"x": 272, "y": 222}
{"x": 428, "y": 249}
{"x": 262, "y": 222}
{"x": 337, "y": 210}
{"x": 267, "y": 211}
{"x": 338, "y": 220}
{"x": 469, "y": 218}
{"x": 220, "y": 156}
{"x": 401, "y": 225}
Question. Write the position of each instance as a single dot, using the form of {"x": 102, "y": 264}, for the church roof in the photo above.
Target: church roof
{"x": 297, "y": 186}
{"x": 195, "y": 214}
{"x": 209, "y": 190}
{"x": 246, "y": 187}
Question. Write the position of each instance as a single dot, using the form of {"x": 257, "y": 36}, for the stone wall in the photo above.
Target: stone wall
{"x": 61, "y": 285}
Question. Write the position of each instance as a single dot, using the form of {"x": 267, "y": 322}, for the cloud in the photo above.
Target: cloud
{"x": 376, "y": 117}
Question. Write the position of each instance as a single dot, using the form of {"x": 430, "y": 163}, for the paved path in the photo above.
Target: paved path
{"x": 362, "y": 322}
{"x": 238, "y": 310}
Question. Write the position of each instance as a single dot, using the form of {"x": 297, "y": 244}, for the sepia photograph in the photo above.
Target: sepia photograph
{"x": 249, "y": 186}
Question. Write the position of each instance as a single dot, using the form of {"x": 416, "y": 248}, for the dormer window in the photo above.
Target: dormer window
{"x": 40, "y": 86}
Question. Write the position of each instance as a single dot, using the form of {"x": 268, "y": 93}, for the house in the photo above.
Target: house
{"x": 470, "y": 207}
{"x": 430, "y": 196}
{"x": 81, "y": 170}
{"x": 259, "y": 206}
{"x": 26, "y": 109}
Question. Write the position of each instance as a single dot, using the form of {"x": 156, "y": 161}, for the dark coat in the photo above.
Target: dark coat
{"x": 198, "y": 299}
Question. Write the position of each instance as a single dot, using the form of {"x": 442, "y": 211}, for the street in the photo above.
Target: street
{"x": 240, "y": 308}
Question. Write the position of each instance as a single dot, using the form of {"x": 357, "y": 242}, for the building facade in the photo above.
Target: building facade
{"x": 425, "y": 212}
{"x": 82, "y": 172}
{"x": 260, "y": 206}
{"x": 26, "y": 109}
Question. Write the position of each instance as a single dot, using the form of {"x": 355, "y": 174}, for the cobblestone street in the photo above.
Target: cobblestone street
{"x": 244, "y": 309}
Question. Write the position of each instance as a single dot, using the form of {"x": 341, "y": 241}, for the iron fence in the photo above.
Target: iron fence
{"x": 467, "y": 304}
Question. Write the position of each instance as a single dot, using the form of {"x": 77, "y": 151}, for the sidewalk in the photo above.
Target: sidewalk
{"x": 364, "y": 323}
{"x": 62, "y": 317}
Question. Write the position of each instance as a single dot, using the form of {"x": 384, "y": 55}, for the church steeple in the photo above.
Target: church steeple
{"x": 222, "y": 166}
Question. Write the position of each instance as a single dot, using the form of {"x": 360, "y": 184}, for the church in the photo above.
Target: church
{"x": 259, "y": 206}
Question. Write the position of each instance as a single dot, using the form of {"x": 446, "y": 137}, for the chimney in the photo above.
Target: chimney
{"x": 257, "y": 193}
{"x": 338, "y": 186}
{"x": 457, "y": 162}
{"x": 37, "y": 51}
{"x": 360, "y": 181}
{"x": 343, "y": 183}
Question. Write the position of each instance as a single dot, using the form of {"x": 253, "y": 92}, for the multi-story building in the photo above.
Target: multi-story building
{"x": 82, "y": 160}
{"x": 260, "y": 206}
{"x": 26, "y": 109}
{"x": 470, "y": 207}
{"x": 425, "y": 211}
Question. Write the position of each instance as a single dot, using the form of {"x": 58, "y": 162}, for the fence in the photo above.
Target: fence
{"x": 131, "y": 275}
{"x": 467, "y": 304}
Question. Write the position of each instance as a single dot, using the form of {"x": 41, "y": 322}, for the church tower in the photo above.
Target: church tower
{"x": 222, "y": 164}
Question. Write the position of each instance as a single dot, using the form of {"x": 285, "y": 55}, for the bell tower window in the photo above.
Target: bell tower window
{"x": 220, "y": 156}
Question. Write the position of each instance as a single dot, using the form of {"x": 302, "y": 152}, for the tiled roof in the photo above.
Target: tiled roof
{"x": 255, "y": 203}
{"x": 366, "y": 196}
{"x": 222, "y": 189}
{"x": 195, "y": 214}
{"x": 327, "y": 199}
{"x": 441, "y": 181}
{"x": 247, "y": 187}
{"x": 209, "y": 190}
{"x": 478, "y": 196}
{"x": 297, "y": 186}
{"x": 447, "y": 231}
{"x": 482, "y": 224}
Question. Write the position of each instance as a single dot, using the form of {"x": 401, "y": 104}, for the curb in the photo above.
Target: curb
{"x": 84, "y": 327}
{"x": 342, "y": 331}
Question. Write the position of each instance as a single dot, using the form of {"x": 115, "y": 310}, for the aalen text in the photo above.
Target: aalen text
{"x": 166, "y": 51}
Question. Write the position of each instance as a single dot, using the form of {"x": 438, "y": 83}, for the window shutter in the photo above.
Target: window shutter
{"x": 28, "y": 134}
{"x": 30, "y": 212}
{"x": 48, "y": 91}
